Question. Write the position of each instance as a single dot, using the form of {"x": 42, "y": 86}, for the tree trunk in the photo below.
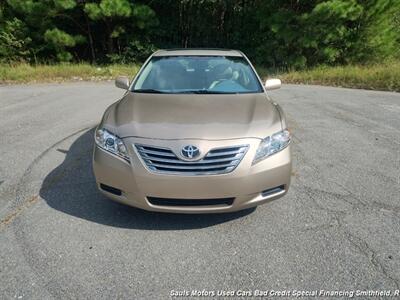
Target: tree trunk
{"x": 110, "y": 41}
{"x": 90, "y": 37}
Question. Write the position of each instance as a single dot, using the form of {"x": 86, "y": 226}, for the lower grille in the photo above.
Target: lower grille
{"x": 216, "y": 161}
{"x": 190, "y": 202}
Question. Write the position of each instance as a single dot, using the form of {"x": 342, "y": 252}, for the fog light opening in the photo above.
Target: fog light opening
{"x": 275, "y": 190}
{"x": 110, "y": 189}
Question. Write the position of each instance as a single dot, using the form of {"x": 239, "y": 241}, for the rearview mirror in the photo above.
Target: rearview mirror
{"x": 273, "y": 84}
{"x": 122, "y": 82}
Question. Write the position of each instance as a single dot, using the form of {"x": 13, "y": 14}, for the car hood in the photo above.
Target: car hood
{"x": 193, "y": 116}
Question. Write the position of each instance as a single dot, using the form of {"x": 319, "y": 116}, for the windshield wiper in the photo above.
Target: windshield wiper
{"x": 153, "y": 91}
{"x": 203, "y": 92}
{"x": 150, "y": 91}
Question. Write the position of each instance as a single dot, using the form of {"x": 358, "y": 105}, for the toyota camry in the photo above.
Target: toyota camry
{"x": 195, "y": 131}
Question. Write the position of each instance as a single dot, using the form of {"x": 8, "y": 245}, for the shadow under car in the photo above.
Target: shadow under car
{"x": 71, "y": 188}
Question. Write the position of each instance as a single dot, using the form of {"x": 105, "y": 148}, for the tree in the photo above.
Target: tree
{"x": 61, "y": 40}
{"x": 274, "y": 33}
{"x": 42, "y": 19}
{"x": 119, "y": 18}
{"x": 331, "y": 30}
{"x": 378, "y": 35}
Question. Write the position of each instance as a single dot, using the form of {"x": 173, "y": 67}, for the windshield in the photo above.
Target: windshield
{"x": 197, "y": 74}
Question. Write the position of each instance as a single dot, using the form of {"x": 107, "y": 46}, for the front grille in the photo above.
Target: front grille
{"x": 190, "y": 202}
{"x": 216, "y": 161}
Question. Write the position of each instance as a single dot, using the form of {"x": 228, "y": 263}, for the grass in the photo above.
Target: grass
{"x": 385, "y": 76}
{"x": 25, "y": 73}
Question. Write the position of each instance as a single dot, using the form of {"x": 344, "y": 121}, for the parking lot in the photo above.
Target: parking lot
{"x": 338, "y": 228}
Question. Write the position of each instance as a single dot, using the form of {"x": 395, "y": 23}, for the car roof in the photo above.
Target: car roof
{"x": 198, "y": 52}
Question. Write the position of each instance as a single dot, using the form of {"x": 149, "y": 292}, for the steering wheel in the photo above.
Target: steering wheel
{"x": 217, "y": 82}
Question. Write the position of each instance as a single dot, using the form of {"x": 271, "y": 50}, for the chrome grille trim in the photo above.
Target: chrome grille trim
{"x": 216, "y": 161}
{"x": 158, "y": 153}
{"x": 225, "y": 153}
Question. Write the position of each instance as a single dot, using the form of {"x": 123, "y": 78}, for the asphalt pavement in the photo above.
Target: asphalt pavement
{"x": 338, "y": 228}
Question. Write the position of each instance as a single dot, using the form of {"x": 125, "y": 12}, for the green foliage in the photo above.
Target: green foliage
{"x": 276, "y": 33}
{"x": 64, "y": 4}
{"x": 14, "y": 42}
{"x": 324, "y": 32}
{"x": 135, "y": 51}
{"x": 108, "y": 8}
{"x": 331, "y": 26}
{"x": 119, "y": 19}
{"x": 379, "y": 35}
{"x": 144, "y": 16}
{"x": 59, "y": 38}
{"x": 93, "y": 10}
{"x": 40, "y": 18}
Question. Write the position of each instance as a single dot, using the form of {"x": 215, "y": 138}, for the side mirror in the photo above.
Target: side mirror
{"x": 273, "y": 84}
{"x": 122, "y": 82}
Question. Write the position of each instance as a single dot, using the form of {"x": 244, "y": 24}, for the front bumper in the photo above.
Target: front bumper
{"x": 249, "y": 185}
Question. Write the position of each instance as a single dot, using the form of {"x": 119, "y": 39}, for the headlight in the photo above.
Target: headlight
{"x": 108, "y": 141}
{"x": 272, "y": 144}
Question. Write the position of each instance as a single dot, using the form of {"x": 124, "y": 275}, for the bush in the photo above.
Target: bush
{"x": 14, "y": 42}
